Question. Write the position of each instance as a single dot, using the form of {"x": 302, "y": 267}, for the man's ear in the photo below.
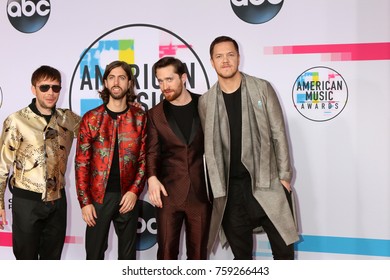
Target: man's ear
{"x": 184, "y": 78}
{"x": 34, "y": 90}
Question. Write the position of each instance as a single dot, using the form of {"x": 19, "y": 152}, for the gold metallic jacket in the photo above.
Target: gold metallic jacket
{"x": 37, "y": 151}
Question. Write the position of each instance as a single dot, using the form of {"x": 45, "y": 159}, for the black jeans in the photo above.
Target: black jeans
{"x": 38, "y": 228}
{"x": 242, "y": 214}
{"x": 96, "y": 238}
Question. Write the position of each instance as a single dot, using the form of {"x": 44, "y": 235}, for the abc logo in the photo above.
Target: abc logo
{"x": 28, "y": 16}
{"x": 256, "y": 11}
{"x": 147, "y": 227}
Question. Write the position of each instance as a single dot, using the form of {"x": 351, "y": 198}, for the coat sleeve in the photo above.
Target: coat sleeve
{"x": 82, "y": 162}
{"x": 74, "y": 121}
{"x": 10, "y": 141}
{"x": 139, "y": 182}
{"x": 278, "y": 134}
{"x": 152, "y": 148}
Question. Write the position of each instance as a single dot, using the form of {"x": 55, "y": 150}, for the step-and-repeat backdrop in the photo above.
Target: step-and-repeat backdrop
{"x": 329, "y": 63}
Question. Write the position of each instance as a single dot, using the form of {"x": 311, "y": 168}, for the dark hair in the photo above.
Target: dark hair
{"x": 222, "y": 39}
{"x": 179, "y": 66}
{"x": 105, "y": 93}
{"x": 45, "y": 72}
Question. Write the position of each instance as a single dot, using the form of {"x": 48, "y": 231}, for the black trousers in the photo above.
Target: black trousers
{"x": 38, "y": 228}
{"x": 242, "y": 214}
{"x": 125, "y": 225}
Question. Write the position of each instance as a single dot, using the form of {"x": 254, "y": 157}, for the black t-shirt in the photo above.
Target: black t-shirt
{"x": 114, "y": 179}
{"x": 183, "y": 116}
{"x": 234, "y": 111}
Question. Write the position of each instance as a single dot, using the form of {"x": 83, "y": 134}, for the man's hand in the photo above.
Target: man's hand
{"x": 89, "y": 215}
{"x": 136, "y": 104}
{"x": 127, "y": 202}
{"x": 155, "y": 188}
{"x": 3, "y": 220}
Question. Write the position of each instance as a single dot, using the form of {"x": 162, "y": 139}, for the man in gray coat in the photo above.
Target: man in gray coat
{"x": 247, "y": 158}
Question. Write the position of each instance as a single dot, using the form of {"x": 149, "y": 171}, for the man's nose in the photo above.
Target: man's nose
{"x": 163, "y": 85}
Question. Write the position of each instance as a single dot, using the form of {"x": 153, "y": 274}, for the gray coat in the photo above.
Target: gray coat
{"x": 265, "y": 153}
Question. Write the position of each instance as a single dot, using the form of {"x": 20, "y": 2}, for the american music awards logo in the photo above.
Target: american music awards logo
{"x": 320, "y": 94}
{"x": 140, "y": 45}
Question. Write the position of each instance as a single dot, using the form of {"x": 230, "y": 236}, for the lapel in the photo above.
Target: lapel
{"x": 258, "y": 124}
{"x": 217, "y": 139}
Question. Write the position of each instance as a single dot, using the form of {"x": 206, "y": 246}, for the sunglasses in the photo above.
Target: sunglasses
{"x": 45, "y": 88}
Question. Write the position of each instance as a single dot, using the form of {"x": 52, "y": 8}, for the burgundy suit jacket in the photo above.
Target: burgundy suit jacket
{"x": 178, "y": 165}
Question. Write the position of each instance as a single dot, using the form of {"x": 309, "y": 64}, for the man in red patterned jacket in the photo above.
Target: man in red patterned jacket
{"x": 110, "y": 165}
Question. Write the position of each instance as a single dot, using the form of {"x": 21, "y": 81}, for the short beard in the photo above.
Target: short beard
{"x": 118, "y": 97}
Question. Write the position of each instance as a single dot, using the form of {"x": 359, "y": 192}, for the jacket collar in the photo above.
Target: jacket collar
{"x": 34, "y": 108}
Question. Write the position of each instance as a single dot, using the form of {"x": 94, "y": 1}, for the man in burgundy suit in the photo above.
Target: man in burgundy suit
{"x": 174, "y": 165}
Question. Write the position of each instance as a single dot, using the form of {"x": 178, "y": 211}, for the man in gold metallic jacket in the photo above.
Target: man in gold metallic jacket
{"x": 35, "y": 144}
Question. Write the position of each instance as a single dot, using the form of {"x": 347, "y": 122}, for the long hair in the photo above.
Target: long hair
{"x": 45, "y": 72}
{"x": 222, "y": 39}
{"x": 130, "y": 94}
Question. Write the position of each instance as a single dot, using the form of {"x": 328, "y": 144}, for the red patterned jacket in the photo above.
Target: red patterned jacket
{"x": 95, "y": 149}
